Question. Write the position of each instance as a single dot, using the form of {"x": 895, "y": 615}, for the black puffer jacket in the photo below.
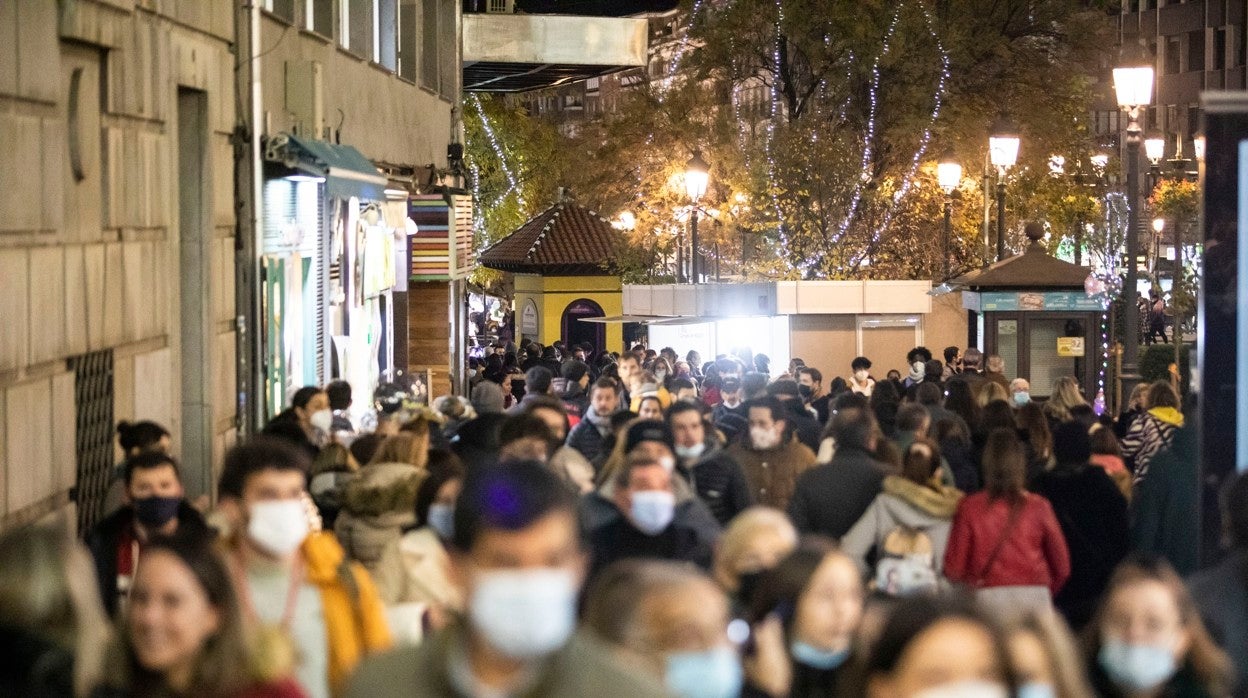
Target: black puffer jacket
{"x": 719, "y": 482}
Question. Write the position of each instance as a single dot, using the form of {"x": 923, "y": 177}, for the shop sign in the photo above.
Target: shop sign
{"x": 528, "y": 319}
{"x": 1070, "y": 346}
{"x": 1047, "y": 301}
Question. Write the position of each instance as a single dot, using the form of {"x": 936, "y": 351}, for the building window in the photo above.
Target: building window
{"x": 429, "y": 44}
{"x": 388, "y": 33}
{"x": 409, "y": 39}
{"x": 1196, "y": 50}
{"x": 359, "y": 30}
{"x": 447, "y": 48}
{"x": 1219, "y": 49}
{"x": 320, "y": 16}
{"x": 1173, "y": 55}
{"x": 281, "y": 8}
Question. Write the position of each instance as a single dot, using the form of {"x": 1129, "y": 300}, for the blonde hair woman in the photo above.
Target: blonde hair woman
{"x": 49, "y": 600}
{"x": 1064, "y": 396}
{"x": 754, "y": 542}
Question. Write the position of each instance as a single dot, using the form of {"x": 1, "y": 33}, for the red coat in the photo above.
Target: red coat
{"x": 1035, "y": 554}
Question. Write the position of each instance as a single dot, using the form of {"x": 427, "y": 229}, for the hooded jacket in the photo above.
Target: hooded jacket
{"x": 377, "y": 506}
{"x": 718, "y": 481}
{"x": 904, "y": 503}
{"x": 1150, "y": 433}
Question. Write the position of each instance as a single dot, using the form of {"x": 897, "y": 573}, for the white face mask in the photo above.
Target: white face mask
{"x": 653, "y": 510}
{"x": 965, "y": 689}
{"x": 524, "y": 614}
{"x": 668, "y": 463}
{"x": 693, "y": 451}
{"x": 764, "y": 439}
{"x": 322, "y": 419}
{"x": 278, "y": 526}
{"x": 861, "y": 375}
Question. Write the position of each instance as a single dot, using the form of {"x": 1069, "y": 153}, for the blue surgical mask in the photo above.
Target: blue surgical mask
{"x": 1022, "y": 398}
{"x": 713, "y": 673}
{"x": 816, "y": 658}
{"x": 653, "y": 510}
{"x": 1136, "y": 667}
{"x": 156, "y": 511}
{"x": 1035, "y": 689}
{"x": 693, "y": 451}
{"x": 441, "y": 519}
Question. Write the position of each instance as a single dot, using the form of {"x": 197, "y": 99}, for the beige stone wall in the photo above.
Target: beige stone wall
{"x": 388, "y": 119}
{"x": 94, "y": 264}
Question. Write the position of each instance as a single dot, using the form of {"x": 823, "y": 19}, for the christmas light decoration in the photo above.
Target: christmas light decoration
{"x": 498, "y": 150}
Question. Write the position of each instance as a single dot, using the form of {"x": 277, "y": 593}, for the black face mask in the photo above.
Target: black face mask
{"x": 156, "y": 511}
{"x": 806, "y": 391}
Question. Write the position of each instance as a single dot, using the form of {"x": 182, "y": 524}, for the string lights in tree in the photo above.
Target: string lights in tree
{"x": 498, "y": 150}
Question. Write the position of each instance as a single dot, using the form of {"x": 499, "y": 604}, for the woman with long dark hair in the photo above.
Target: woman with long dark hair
{"x": 1005, "y": 542}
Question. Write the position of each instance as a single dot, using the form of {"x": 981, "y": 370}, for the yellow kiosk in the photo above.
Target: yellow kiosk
{"x": 563, "y": 263}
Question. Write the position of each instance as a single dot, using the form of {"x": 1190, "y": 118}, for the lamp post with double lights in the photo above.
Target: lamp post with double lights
{"x": 697, "y": 174}
{"x": 948, "y": 175}
{"x": 1133, "y": 86}
{"x": 1002, "y": 153}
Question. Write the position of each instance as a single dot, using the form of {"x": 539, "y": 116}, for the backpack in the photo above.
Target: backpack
{"x": 906, "y": 563}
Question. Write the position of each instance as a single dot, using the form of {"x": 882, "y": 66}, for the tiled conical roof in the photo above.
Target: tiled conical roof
{"x": 566, "y": 238}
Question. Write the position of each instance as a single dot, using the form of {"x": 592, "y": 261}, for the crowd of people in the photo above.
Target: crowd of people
{"x": 645, "y": 525}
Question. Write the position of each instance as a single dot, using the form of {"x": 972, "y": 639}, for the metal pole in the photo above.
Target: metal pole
{"x": 1131, "y": 335}
{"x": 693, "y": 245}
{"x": 1000, "y": 216}
{"x": 945, "y": 245}
{"x": 1079, "y": 240}
{"x": 680, "y": 256}
{"x": 1177, "y": 277}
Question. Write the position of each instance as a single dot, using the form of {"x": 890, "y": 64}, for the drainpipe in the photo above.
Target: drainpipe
{"x": 248, "y": 186}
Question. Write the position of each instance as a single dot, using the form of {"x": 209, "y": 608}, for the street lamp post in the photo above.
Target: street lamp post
{"x": 948, "y": 175}
{"x": 697, "y": 172}
{"x": 1003, "y": 153}
{"x": 1133, "y": 85}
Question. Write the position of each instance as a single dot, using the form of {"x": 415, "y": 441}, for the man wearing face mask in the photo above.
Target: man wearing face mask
{"x": 771, "y": 457}
{"x": 518, "y": 557}
{"x": 810, "y": 382}
{"x": 650, "y": 521}
{"x": 306, "y": 423}
{"x": 716, "y": 477}
{"x": 291, "y": 580}
{"x": 730, "y": 400}
{"x": 1020, "y": 389}
{"x": 155, "y": 506}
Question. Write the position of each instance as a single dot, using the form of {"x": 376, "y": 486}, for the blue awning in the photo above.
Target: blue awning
{"x": 346, "y": 171}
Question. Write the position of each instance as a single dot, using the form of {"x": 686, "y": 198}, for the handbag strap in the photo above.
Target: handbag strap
{"x": 1016, "y": 510}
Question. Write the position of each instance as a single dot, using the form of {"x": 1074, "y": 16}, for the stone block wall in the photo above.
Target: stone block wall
{"x": 89, "y": 241}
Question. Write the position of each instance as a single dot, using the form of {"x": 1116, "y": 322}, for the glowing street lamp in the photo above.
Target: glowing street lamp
{"x": 949, "y": 176}
{"x": 1133, "y": 84}
{"x": 1155, "y": 147}
{"x": 697, "y": 176}
{"x": 1003, "y": 144}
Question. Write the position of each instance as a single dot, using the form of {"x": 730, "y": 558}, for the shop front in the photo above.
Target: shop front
{"x": 330, "y": 238}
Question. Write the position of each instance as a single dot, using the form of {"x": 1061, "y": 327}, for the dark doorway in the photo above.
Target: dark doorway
{"x": 577, "y": 332}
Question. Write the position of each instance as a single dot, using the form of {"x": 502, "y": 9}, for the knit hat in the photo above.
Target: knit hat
{"x": 917, "y": 371}
{"x": 487, "y": 398}
{"x": 648, "y": 430}
{"x": 1071, "y": 445}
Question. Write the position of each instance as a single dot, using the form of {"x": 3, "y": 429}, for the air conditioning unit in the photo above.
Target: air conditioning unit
{"x": 500, "y": 7}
